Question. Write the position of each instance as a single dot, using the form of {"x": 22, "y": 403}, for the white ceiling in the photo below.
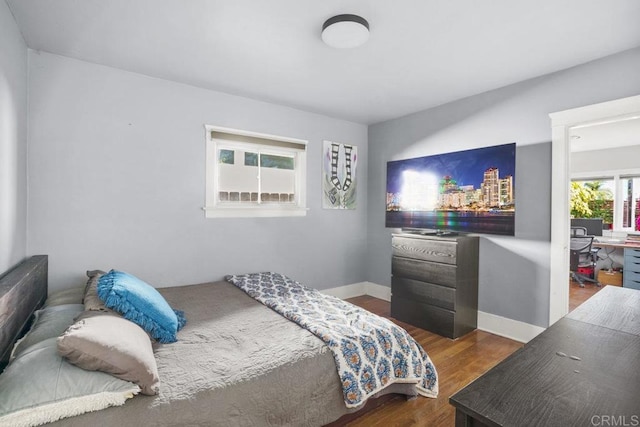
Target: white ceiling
{"x": 421, "y": 53}
{"x": 621, "y": 133}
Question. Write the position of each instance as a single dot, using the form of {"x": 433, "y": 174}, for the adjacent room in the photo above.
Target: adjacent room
{"x": 604, "y": 204}
{"x": 285, "y": 213}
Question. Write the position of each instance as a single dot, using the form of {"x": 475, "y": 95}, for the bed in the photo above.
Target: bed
{"x": 236, "y": 362}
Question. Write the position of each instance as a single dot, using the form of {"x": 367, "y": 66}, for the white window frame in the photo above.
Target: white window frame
{"x": 214, "y": 208}
{"x": 618, "y": 194}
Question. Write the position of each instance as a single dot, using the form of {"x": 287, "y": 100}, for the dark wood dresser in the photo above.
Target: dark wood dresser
{"x": 434, "y": 283}
{"x": 582, "y": 371}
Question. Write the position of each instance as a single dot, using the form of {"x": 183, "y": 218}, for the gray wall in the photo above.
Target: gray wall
{"x": 514, "y": 271}
{"x": 13, "y": 141}
{"x": 117, "y": 180}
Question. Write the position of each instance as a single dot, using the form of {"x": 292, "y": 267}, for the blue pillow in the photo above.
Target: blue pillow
{"x": 142, "y": 304}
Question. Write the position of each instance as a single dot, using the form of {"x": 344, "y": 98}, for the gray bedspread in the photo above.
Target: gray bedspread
{"x": 236, "y": 363}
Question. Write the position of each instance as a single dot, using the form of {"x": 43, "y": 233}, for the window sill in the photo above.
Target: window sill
{"x": 253, "y": 212}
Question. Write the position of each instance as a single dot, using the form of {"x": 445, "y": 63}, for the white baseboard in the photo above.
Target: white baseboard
{"x": 359, "y": 289}
{"x": 378, "y": 291}
{"x": 494, "y": 324}
{"x": 347, "y": 291}
{"x": 508, "y": 328}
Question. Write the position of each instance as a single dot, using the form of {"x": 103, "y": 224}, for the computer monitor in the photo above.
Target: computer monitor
{"x": 593, "y": 225}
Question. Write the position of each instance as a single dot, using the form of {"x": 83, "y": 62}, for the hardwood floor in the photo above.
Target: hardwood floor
{"x": 578, "y": 295}
{"x": 458, "y": 362}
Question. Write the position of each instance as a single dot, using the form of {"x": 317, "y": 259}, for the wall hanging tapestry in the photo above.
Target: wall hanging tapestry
{"x": 339, "y": 181}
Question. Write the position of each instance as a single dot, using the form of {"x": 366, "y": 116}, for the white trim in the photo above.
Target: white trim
{"x": 497, "y": 325}
{"x": 214, "y": 209}
{"x": 347, "y": 291}
{"x": 378, "y": 291}
{"x": 584, "y": 176}
{"x": 602, "y": 113}
{"x": 210, "y": 128}
{"x": 359, "y": 289}
{"x": 560, "y": 223}
{"x": 252, "y": 212}
{"x": 508, "y": 328}
{"x": 561, "y": 123}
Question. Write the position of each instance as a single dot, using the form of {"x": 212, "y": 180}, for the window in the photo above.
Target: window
{"x": 630, "y": 202}
{"x": 254, "y": 175}
{"x": 593, "y": 199}
{"x": 615, "y": 199}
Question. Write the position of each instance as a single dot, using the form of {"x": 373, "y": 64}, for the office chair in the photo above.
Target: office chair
{"x": 578, "y": 231}
{"x": 581, "y": 255}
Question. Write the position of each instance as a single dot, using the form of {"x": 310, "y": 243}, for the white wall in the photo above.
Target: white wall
{"x": 514, "y": 271}
{"x": 13, "y": 141}
{"x": 608, "y": 159}
{"x": 117, "y": 180}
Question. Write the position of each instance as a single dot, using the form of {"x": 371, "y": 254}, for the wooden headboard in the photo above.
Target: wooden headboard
{"x": 23, "y": 290}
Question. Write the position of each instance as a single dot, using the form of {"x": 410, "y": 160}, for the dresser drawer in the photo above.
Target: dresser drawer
{"x": 632, "y": 252}
{"x": 631, "y": 271}
{"x": 630, "y": 275}
{"x": 630, "y": 282}
{"x": 425, "y": 316}
{"x": 423, "y": 249}
{"x": 632, "y": 260}
{"x": 424, "y": 271}
{"x": 439, "y": 296}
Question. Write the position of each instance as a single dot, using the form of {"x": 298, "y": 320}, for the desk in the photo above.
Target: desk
{"x": 631, "y": 265}
{"x": 615, "y": 245}
{"x": 542, "y": 385}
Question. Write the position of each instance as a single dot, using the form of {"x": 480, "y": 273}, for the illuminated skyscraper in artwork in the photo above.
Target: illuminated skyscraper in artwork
{"x": 506, "y": 190}
{"x": 491, "y": 188}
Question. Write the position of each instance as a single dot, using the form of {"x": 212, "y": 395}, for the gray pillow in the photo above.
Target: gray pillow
{"x": 39, "y": 387}
{"x": 110, "y": 343}
{"x": 92, "y": 301}
{"x": 66, "y": 296}
{"x": 49, "y": 322}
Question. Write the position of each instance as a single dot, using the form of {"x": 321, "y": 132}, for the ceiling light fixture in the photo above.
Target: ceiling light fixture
{"x": 345, "y": 31}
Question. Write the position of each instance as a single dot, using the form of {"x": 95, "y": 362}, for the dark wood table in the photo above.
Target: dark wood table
{"x": 582, "y": 371}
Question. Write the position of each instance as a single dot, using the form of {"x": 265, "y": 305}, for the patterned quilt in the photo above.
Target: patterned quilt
{"x": 370, "y": 352}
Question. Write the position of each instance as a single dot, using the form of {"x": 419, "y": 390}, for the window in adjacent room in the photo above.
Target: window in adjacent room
{"x": 615, "y": 199}
{"x": 630, "y": 194}
{"x": 254, "y": 175}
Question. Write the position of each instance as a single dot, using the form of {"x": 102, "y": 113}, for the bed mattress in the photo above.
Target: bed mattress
{"x": 236, "y": 363}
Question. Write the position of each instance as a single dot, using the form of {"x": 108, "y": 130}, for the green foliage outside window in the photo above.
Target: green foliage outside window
{"x": 590, "y": 200}
{"x": 227, "y": 156}
{"x": 602, "y": 209}
{"x": 599, "y": 193}
{"x": 269, "y": 161}
{"x": 250, "y": 159}
{"x": 579, "y": 202}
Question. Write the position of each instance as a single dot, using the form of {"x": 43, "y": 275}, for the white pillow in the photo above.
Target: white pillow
{"x": 48, "y": 323}
{"x": 110, "y": 343}
{"x": 40, "y": 387}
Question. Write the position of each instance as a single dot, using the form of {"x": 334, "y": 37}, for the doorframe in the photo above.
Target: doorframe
{"x": 561, "y": 124}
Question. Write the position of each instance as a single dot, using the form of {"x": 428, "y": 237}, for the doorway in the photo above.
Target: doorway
{"x": 562, "y": 124}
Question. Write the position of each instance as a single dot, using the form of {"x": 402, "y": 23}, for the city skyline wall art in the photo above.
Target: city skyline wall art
{"x": 466, "y": 191}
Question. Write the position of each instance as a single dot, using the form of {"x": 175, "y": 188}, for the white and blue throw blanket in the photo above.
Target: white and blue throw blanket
{"x": 370, "y": 351}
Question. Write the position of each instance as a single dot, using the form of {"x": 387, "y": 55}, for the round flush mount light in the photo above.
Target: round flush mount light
{"x": 345, "y": 31}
